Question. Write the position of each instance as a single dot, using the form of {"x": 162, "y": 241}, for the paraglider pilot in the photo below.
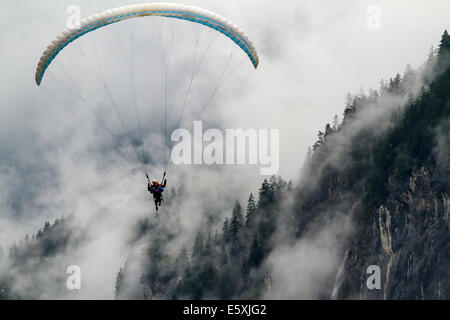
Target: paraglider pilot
{"x": 157, "y": 189}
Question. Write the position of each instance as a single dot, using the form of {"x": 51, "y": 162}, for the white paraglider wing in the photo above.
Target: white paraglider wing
{"x": 170, "y": 10}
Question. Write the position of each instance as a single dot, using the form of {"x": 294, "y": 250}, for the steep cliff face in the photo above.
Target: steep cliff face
{"x": 395, "y": 184}
{"x": 403, "y": 227}
{"x": 408, "y": 238}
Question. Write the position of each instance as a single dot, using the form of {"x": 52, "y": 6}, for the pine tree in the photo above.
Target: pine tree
{"x": 256, "y": 253}
{"x": 208, "y": 249}
{"x": 266, "y": 195}
{"x": 397, "y": 83}
{"x": 226, "y": 230}
{"x": 335, "y": 124}
{"x": 444, "y": 47}
{"x": 223, "y": 255}
{"x": 349, "y": 100}
{"x": 118, "y": 284}
{"x": 320, "y": 140}
{"x": 46, "y": 227}
{"x": 251, "y": 209}
{"x": 235, "y": 227}
{"x": 349, "y": 104}
{"x": 328, "y": 131}
{"x": 237, "y": 212}
{"x": 245, "y": 269}
{"x": 197, "y": 250}
{"x": 273, "y": 181}
{"x": 431, "y": 54}
{"x": 443, "y": 56}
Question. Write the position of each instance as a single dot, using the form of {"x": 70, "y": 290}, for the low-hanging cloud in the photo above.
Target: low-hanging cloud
{"x": 56, "y": 158}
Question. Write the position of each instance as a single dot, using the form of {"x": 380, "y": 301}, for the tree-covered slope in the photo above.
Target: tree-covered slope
{"x": 385, "y": 166}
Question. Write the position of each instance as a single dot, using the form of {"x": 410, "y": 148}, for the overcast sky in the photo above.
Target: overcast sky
{"x": 312, "y": 53}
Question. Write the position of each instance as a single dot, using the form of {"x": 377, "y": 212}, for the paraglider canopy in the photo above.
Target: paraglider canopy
{"x": 170, "y": 10}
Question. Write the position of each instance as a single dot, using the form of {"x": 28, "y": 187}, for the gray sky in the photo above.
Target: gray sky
{"x": 311, "y": 54}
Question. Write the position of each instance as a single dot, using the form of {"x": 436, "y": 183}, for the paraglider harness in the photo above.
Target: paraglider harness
{"x": 157, "y": 190}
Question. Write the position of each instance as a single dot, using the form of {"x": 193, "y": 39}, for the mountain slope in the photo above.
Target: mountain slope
{"x": 407, "y": 233}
